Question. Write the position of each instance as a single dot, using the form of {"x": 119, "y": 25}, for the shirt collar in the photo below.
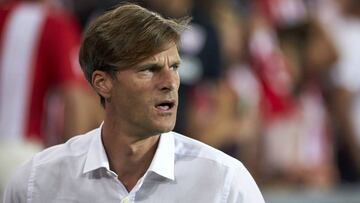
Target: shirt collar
{"x": 163, "y": 161}
{"x": 96, "y": 157}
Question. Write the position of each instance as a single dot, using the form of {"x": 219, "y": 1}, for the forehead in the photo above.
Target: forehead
{"x": 168, "y": 55}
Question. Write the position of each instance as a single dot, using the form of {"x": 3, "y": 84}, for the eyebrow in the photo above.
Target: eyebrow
{"x": 177, "y": 62}
{"x": 156, "y": 65}
{"x": 149, "y": 65}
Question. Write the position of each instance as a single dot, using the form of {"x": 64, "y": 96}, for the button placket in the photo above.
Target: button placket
{"x": 125, "y": 200}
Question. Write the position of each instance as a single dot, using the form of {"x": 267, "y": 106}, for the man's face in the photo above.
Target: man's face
{"x": 144, "y": 98}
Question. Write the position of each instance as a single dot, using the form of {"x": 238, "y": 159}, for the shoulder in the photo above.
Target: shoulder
{"x": 74, "y": 147}
{"x": 47, "y": 163}
{"x": 16, "y": 188}
{"x": 218, "y": 167}
{"x": 188, "y": 147}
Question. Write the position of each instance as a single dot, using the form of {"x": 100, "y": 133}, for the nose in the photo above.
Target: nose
{"x": 169, "y": 80}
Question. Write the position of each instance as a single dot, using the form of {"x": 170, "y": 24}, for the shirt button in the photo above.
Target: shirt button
{"x": 125, "y": 200}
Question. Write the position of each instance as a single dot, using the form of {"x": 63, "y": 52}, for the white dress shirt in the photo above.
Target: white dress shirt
{"x": 182, "y": 170}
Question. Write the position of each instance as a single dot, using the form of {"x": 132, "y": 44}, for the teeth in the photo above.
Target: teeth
{"x": 163, "y": 107}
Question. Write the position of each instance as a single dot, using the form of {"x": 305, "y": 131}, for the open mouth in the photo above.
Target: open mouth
{"x": 165, "y": 105}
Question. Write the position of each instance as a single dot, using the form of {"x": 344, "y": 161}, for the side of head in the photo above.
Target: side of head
{"x": 123, "y": 37}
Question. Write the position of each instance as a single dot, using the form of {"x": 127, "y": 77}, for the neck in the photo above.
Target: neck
{"x": 129, "y": 156}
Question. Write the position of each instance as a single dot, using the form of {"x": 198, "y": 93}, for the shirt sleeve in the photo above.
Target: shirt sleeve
{"x": 243, "y": 188}
{"x": 17, "y": 189}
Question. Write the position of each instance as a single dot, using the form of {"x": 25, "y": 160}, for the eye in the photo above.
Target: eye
{"x": 149, "y": 69}
{"x": 175, "y": 67}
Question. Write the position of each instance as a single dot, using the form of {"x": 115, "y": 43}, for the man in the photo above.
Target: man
{"x": 130, "y": 57}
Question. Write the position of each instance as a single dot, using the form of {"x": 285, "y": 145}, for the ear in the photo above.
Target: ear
{"x": 102, "y": 83}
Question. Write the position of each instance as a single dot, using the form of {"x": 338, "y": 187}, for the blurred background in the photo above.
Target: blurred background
{"x": 273, "y": 83}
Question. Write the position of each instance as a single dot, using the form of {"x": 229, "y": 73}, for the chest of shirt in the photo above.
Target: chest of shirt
{"x": 100, "y": 186}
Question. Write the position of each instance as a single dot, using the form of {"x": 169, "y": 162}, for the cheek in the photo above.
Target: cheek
{"x": 177, "y": 78}
{"x": 135, "y": 98}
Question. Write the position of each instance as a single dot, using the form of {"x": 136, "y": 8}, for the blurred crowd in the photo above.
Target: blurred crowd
{"x": 273, "y": 83}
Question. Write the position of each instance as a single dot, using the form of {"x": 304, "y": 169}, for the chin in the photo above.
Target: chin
{"x": 166, "y": 127}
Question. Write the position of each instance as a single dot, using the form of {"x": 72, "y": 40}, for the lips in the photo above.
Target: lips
{"x": 165, "y": 105}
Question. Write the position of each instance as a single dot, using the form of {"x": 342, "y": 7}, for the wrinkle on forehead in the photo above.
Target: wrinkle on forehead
{"x": 168, "y": 55}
